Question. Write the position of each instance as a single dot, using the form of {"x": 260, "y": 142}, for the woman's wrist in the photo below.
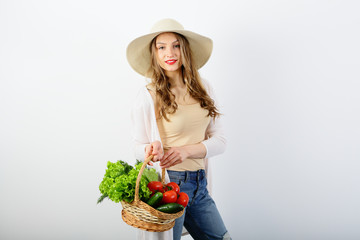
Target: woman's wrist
{"x": 195, "y": 150}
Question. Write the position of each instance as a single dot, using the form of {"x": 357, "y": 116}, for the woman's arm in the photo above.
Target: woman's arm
{"x": 214, "y": 145}
{"x": 215, "y": 141}
{"x": 176, "y": 155}
{"x": 140, "y": 139}
{"x": 145, "y": 133}
{"x": 142, "y": 127}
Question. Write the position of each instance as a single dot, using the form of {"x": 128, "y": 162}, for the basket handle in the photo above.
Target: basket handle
{"x": 147, "y": 160}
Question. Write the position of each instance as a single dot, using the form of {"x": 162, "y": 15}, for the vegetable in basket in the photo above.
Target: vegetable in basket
{"x": 167, "y": 198}
{"x": 170, "y": 208}
{"x": 119, "y": 182}
{"x": 155, "y": 199}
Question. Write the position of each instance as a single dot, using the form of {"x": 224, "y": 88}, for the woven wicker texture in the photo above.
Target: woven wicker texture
{"x": 141, "y": 215}
{"x": 150, "y": 227}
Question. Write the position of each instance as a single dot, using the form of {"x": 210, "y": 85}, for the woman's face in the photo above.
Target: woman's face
{"x": 168, "y": 52}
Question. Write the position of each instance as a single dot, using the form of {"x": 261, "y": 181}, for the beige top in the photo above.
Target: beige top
{"x": 186, "y": 126}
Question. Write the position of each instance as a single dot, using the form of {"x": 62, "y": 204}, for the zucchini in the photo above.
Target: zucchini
{"x": 155, "y": 199}
{"x": 170, "y": 208}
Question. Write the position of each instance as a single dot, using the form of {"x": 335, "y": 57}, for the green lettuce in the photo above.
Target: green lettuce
{"x": 149, "y": 174}
{"x": 119, "y": 182}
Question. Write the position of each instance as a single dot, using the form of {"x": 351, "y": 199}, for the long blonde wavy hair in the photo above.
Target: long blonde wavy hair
{"x": 160, "y": 82}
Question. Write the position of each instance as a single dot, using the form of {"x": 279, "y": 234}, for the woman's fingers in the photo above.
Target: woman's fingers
{"x": 171, "y": 163}
{"x": 154, "y": 149}
{"x": 167, "y": 159}
{"x": 157, "y": 151}
{"x": 148, "y": 150}
{"x": 172, "y": 157}
{"x": 147, "y": 153}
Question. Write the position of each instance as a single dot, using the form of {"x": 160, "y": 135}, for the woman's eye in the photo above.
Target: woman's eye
{"x": 177, "y": 46}
{"x": 161, "y": 48}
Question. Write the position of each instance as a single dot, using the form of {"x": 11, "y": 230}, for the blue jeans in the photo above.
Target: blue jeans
{"x": 201, "y": 218}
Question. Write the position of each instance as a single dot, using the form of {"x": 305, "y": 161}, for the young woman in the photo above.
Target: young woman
{"x": 176, "y": 120}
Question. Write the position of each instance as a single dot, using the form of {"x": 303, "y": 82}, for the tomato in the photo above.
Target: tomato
{"x": 155, "y": 186}
{"x": 174, "y": 187}
{"x": 183, "y": 199}
{"x": 169, "y": 196}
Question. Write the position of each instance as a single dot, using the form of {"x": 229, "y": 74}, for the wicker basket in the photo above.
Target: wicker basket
{"x": 141, "y": 215}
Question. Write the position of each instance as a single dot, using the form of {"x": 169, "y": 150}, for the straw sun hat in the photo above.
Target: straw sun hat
{"x": 138, "y": 51}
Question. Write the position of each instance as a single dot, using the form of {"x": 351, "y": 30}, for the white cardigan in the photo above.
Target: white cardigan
{"x": 145, "y": 131}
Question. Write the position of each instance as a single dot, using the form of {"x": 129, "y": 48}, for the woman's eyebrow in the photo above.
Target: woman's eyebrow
{"x": 165, "y": 43}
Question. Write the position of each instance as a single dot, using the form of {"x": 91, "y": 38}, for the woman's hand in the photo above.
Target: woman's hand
{"x": 173, "y": 156}
{"x": 176, "y": 155}
{"x": 154, "y": 149}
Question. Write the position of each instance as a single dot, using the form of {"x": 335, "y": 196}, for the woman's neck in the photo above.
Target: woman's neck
{"x": 175, "y": 79}
{"x": 179, "y": 88}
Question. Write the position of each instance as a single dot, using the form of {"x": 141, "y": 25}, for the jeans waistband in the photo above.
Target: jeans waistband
{"x": 187, "y": 175}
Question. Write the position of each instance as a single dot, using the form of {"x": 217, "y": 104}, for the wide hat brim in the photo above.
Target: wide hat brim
{"x": 138, "y": 51}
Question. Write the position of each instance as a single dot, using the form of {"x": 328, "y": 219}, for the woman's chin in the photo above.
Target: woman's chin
{"x": 172, "y": 70}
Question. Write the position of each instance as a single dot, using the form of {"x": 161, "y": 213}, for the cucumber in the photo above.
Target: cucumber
{"x": 170, "y": 208}
{"x": 155, "y": 199}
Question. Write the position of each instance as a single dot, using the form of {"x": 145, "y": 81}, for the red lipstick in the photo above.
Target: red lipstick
{"x": 171, "y": 61}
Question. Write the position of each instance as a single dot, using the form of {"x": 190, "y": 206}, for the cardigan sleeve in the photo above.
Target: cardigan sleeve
{"x": 145, "y": 130}
{"x": 215, "y": 142}
{"x": 139, "y": 126}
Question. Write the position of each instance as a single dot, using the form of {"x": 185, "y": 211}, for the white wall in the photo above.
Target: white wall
{"x": 286, "y": 74}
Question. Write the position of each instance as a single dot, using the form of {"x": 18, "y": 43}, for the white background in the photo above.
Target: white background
{"x": 287, "y": 77}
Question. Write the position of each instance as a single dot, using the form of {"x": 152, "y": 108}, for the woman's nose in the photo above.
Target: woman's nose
{"x": 170, "y": 52}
